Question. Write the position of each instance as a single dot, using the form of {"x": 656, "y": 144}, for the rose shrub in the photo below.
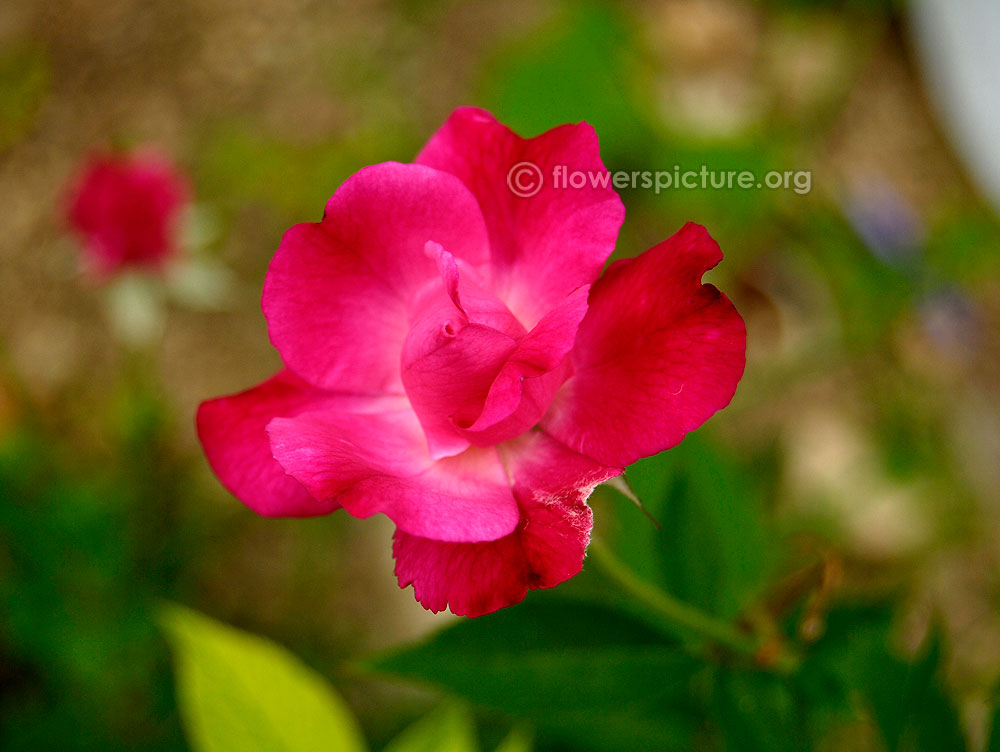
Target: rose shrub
{"x": 453, "y": 361}
{"x": 125, "y": 209}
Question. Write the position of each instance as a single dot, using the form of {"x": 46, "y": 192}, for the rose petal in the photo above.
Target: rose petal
{"x": 337, "y": 293}
{"x": 546, "y": 245}
{"x": 374, "y": 464}
{"x": 232, "y": 432}
{"x": 451, "y": 376}
{"x": 657, "y": 354}
{"x": 551, "y": 484}
{"x": 525, "y": 386}
{"x": 461, "y": 338}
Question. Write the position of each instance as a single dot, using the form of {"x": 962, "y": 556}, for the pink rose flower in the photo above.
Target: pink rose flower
{"x": 125, "y": 210}
{"x": 453, "y": 361}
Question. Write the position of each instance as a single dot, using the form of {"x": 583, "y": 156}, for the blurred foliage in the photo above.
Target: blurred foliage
{"x": 577, "y": 67}
{"x": 88, "y": 542}
{"x": 244, "y": 167}
{"x": 25, "y": 78}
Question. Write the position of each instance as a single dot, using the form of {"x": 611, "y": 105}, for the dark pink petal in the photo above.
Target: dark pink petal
{"x": 379, "y": 463}
{"x": 449, "y": 375}
{"x": 657, "y": 354}
{"x": 232, "y": 432}
{"x": 546, "y": 245}
{"x": 447, "y": 267}
{"x": 461, "y": 337}
{"x": 337, "y": 293}
{"x": 470, "y": 383}
{"x": 525, "y": 386}
{"x": 462, "y": 285}
{"x": 551, "y": 484}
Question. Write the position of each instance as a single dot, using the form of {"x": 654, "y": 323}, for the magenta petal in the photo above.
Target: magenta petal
{"x": 657, "y": 354}
{"x": 551, "y": 484}
{"x": 450, "y": 378}
{"x": 338, "y": 292}
{"x": 450, "y": 357}
{"x": 546, "y": 245}
{"x": 544, "y": 347}
{"x": 379, "y": 463}
{"x": 232, "y": 432}
{"x": 448, "y": 269}
{"x": 526, "y": 384}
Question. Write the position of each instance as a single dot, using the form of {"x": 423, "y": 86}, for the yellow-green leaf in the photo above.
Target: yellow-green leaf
{"x": 242, "y": 693}
{"x": 448, "y": 728}
{"x": 518, "y": 740}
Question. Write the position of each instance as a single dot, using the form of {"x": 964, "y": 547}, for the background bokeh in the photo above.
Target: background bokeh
{"x": 865, "y": 434}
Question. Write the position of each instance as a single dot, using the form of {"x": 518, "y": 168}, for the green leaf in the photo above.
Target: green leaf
{"x": 911, "y": 708}
{"x": 518, "y": 740}
{"x": 242, "y": 693}
{"x": 906, "y": 699}
{"x": 931, "y": 720}
{"x": 583, "y": 673}
{"x": 713, "y": 550}
{"x": 994, "y": 745}
{"x": 449, "y": 728}
{"x": 757, "y": 712}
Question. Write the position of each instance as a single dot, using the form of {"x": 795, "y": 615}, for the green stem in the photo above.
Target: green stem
{"x": 680, "y": 618}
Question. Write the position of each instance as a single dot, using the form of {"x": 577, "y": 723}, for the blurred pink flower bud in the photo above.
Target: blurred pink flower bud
{"x": 125, "y": 208}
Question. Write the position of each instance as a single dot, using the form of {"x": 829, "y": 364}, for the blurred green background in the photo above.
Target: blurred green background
{"x": 849, "y": 498}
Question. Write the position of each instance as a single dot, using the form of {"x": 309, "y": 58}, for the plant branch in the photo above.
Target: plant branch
{"x": 684, "y": 620}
